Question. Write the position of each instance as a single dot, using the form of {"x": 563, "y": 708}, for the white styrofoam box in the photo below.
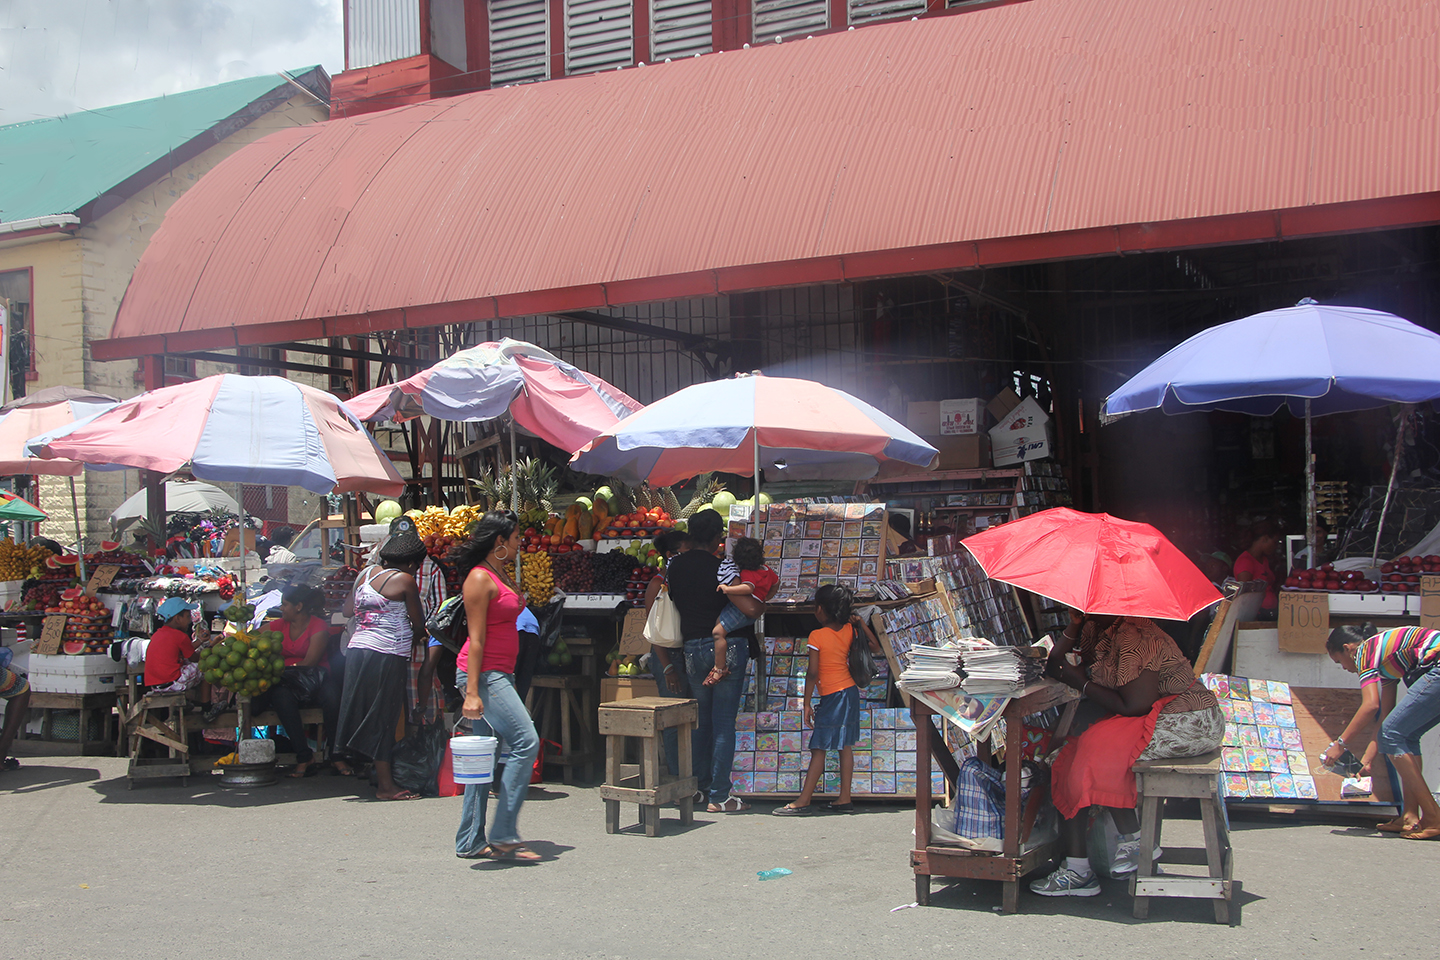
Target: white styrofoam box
{"x": 1372, "y": 604}
{"x": 95, "y": 683}
{"x": 960, "y": 418}
{"x": 20, "y": 655}
{"x": 1022, "y": 434}
{"x": 11, "y": 590}
{"x": 80, "y": 665}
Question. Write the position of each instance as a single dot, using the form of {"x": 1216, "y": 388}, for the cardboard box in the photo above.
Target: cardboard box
{"x": 943, "y": 418}
{"x": 962, "y": 453}
{"x": 626, "y": 688}
{"x": 961, "y": 418}
{"x": 1023, "y": 434}
{"x": 1003, "y": 402}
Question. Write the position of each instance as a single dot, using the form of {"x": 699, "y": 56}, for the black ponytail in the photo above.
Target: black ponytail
{"x": 837, "y": 601}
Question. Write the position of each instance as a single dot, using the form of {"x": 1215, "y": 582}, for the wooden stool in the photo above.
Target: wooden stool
{"x": 1195, "y": 778}
{"x": 563, "y": 709}
{"x": 647, "y": 718}
{"x": 143, "y": 722}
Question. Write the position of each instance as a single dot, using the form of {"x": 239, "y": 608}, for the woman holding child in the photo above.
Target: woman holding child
{"x": 716, "y": 670}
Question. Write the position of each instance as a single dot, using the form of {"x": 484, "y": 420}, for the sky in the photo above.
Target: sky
{"x": 59, "y": 56}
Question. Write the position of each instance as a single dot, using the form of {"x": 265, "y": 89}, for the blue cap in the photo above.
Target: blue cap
{"x": 172, "y": 606}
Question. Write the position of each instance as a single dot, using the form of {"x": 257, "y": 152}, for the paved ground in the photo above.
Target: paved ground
{"x": 308, "y": 869}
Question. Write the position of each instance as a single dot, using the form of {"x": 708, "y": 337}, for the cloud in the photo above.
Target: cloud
{"x": 58, "y": 56}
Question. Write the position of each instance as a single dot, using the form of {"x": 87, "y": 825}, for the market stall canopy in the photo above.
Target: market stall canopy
{"x": 547, "y": 396}
{"x": 234, "y": 429}
{"x": 1017, "y": 133}
{"x": 1095, "y": 563}
{"x": 181, "y": 496}
{"x": 803, "y": 430}
{"x": 40, "y": 412}
{"x": 15, "y": 509}
{"x": 1339, "y": 358}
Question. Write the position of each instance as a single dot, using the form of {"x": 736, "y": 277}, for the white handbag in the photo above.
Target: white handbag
{"x": 662, "y": 623}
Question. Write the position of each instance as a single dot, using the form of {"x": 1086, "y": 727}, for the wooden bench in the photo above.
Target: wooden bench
{"x": 647, "y": 718}
{"x": 1196, "y": 778}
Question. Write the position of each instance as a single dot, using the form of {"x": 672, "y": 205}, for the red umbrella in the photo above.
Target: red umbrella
{"x": 1096, "y": 563}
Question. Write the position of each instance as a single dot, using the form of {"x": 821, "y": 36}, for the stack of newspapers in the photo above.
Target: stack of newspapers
{"x": 990, "y": 670}
{"x": 931, "y": 668}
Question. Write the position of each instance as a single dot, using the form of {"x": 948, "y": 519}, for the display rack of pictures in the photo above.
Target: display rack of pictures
{"x": 927, "y": 622}
{"x": 772, "y": 745}
{"x": 811, "y": 544}
{"x": 1041, "y": 487}
{"x": 983, "y": 607}
{"x": 1262, "y": 756}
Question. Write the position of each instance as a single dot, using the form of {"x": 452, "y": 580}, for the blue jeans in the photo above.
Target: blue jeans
{"x": 715, "y": 733}
{"x": 506, "y": 716}
{"x": 1415, "y": 714}
{"x": 676, "y": 684}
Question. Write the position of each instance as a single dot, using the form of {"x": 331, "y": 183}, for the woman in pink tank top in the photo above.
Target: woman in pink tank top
{"x": 485, "y": 673}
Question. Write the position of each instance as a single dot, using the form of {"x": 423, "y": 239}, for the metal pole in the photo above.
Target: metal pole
{"x": 514, "y": 493}
{"x": 240, "y": 500}
{"x": 755, "y": 509}
{"x": 1394, "y": 471}
{"x": 1310, "y": 488}
{"x": 79, "y": 542}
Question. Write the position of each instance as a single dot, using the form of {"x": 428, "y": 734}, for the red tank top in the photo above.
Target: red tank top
{"x": 502, "y": 640}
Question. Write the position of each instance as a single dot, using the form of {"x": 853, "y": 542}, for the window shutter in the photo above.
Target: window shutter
{"x": 868, "y": 11}
{"x": 789, "y": 18}
{"x": 519, "y": 41}
{"x": 680, "y": 28}
{"x": 599, "y": 35}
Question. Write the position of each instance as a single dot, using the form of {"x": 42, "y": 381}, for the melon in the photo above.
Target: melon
{"x": 73, "y": 647}
{"x": 109, "y": 546}
{"x": 74, "y": 593}
{"x": 68, "y": 560}
{"x": 723, "y": 501}
{"x": 387, "y": 511}
{"x": 53, "y": 562}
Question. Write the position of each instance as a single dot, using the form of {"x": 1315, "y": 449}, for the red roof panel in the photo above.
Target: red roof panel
{"x": 1005, "y": 132}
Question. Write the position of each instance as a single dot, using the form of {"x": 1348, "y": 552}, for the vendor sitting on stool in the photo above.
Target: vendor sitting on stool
{"x": 1155, "y": 709}
{"x": 170, "y": 656}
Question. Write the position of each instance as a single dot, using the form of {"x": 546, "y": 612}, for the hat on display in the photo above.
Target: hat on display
{"x": 172, "y": 606}
{"x": 404, "y": 544}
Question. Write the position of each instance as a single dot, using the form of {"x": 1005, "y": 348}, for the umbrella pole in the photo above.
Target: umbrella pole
{"x": 1310, "y": 488}
{"x": 514, "y": 492}
{"x": 240, "y": 501}
{"x": 79, "y": 543}
{"x": 1390, "y": 487}
{"x": 755, "y": 509}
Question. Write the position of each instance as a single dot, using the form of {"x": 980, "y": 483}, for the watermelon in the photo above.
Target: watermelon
{"x": 74, "y": 593}
{"x": 73, "y": 646}
{"x": 68, "y": 560}
{"x": 53, "y": 562}
{"x": 109, "y": 546}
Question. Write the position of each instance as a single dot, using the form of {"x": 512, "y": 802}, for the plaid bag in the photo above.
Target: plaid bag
{"x": 979, "y": 801}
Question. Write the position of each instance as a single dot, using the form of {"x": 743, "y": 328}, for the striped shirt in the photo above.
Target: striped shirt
{"x": 1391, "y": 654}
{"x": 1132, "y": 645}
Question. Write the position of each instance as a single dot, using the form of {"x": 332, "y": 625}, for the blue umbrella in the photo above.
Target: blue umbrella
{"x": 1316, "y": 358}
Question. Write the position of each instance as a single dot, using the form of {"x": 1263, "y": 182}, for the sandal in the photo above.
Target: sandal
{"x": 730, "y": 805}
{"x": 402, "y": 795}
{"x": 484, "y": 853}
{"x": 514, "y": 851}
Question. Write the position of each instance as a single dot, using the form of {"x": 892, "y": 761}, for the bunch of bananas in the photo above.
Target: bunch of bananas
{"x": 437, "y": 521}
{"x": 20, "y": 562}
{"x": 537, "y": 577}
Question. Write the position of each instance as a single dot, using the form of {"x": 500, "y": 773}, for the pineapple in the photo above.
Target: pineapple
{"x": 706, "y": 487}
{"x": 669, "y": 501}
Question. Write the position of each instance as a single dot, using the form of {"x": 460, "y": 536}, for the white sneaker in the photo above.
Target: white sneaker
{"x": 1065, "y": 882}
{"x": 1127, "y": 859}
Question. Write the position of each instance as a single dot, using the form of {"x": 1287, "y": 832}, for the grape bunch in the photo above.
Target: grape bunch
{"x": 575, "y": 572}
{"x": 612, "y": 571}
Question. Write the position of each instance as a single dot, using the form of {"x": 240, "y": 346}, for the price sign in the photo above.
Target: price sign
{"x": 103, "y": 576}
{"x": 1304, "y": 621}
{"x": 632, "y": 637}
{"x": 1430, "y": 601}
{"x": 52, "y": 634}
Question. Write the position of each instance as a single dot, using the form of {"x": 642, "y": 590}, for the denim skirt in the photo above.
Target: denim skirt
{"x": 837, "y": 720}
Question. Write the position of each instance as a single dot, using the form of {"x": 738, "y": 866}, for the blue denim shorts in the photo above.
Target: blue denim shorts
{"x": 837, "y": 720}
{"x": 732, "y": 618}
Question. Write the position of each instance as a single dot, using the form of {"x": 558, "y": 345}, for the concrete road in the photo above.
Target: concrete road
{"x": 313, "y": 869}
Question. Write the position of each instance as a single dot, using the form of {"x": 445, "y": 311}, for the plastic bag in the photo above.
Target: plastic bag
{"x": 662, "y": 623}
{"x": 417, "y": 758}
{"x": 1101, "y": 843}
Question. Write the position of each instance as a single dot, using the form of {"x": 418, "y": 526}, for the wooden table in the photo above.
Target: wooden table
{"x": 1009, "y": 866}
{"x": 87, "y": 704}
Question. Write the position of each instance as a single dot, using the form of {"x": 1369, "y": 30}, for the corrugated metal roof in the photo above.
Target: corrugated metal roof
{"x": 60, "y": 164}
{"x": 906, "y": 147}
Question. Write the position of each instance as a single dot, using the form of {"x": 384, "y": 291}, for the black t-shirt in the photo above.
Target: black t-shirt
{"x": 692, "y": 579}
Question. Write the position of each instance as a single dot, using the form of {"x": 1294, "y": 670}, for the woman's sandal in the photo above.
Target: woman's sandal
{"x": 345, "y": 771}
{"x": 484, "y": 853}
{"x": 514, "y": 851}
{"x": 311, "y": 769}
{"x": 402, "y": 795}
{"x": 731, "y": 805}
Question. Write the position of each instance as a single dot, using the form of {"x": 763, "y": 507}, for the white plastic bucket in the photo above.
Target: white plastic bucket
{"x": 473, "y": 758}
